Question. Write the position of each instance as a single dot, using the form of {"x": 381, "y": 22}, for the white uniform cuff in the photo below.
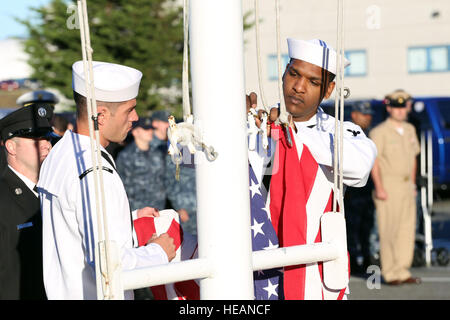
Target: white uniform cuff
{"x": 134, "y": 214}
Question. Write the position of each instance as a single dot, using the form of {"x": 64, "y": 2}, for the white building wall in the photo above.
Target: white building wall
{"x": 13, "y": 60}
{"x": 385, "y": 29}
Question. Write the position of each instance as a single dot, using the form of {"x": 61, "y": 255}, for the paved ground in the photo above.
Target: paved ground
{"x": 435, "y": 286}
{"x": 435, "y": 279}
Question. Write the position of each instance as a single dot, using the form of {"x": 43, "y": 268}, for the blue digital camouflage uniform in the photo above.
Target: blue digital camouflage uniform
{"x": 143, "y": 174}
{"x": 182, "y": 193}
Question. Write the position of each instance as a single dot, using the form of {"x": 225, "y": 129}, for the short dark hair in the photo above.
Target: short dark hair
{"x": 60, "y": 123}
{"x": 81, "y": 103}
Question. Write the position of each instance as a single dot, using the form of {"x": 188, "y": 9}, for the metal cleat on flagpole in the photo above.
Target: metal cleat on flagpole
{"x": 184, "y": 134}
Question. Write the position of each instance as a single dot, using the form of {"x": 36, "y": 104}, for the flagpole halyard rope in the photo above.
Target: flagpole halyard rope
{"x": 185, "y": 79}
{"x": 91, "y": 105}
{"x": 341, "y": 96}
{"x": 338, "y": 186}
{"x": 184, "y": 133}
{"x": 283, "y": 118}
{"x": 258, "y": 56}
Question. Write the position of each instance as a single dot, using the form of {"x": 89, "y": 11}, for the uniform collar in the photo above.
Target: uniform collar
{"x": 30, "y": 184}
{"x": 392, "y": 124}
{"x": 83, "y": 140}
{"x": 311, "y": 123}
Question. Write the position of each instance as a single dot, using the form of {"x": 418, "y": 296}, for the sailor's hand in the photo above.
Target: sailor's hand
{"x": 148, "y": 212}
{"x": 273, "y": 115}
{"x": 252, "y": 103}
{"x": 184, "y": 216}
{"x": 167, "y": 244}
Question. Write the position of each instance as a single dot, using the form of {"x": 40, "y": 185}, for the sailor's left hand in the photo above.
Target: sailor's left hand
{"x": 148, "y": 212}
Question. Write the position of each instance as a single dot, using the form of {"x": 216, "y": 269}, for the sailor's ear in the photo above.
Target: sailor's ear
{"x": 330, "y": 89}
{"x": 102, "y": 113}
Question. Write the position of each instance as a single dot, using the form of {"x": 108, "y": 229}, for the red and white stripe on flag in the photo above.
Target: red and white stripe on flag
{"x": 186, "y": 248}
{"x": 300, "y": 192}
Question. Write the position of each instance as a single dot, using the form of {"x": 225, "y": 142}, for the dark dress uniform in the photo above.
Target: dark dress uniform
{"x": 21, "y": 275}
{"x": 21, "y": 240}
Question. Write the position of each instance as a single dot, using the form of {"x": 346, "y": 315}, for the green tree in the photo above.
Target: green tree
{"x": 147, "y": 35}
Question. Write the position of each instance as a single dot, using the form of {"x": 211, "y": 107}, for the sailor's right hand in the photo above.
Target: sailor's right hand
{"x": 167, "y": 244}
{"x": 252, "y": 103}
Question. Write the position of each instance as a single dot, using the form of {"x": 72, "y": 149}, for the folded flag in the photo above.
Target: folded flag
{"x": 186, "y": 248}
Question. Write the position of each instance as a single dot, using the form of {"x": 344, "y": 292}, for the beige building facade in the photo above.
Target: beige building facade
{"x": 391, "y": 43}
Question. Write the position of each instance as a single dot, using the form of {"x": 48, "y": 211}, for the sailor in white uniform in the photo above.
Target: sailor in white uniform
{"x": 300, "y": 186}
{"x": 66, "y": 191}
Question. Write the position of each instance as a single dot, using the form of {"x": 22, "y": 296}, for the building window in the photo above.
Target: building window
{"x": 428, "y": 59}
{"x": 358, "y": 66}
{"x": 417, "y": 60}
{"x": 439, "y": 59}
{"x": 272, "y": 65}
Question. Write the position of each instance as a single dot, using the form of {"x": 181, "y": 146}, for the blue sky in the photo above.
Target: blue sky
{"x": 16, "y": 8}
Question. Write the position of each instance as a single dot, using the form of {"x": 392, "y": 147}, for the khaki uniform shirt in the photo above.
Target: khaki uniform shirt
{"x": 396, "y": 152}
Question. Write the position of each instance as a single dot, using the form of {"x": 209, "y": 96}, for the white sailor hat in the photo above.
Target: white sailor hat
{"x": 112, "y": 82}
{"x": 315, "y": 51}
{"x": 37, "y": 96}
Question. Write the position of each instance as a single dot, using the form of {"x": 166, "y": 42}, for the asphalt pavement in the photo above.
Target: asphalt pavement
{"x": 435, "y": 279}
{"x": 435, "y": 286}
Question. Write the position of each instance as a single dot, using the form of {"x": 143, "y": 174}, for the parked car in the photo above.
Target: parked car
{"x": 9, "y": 85}
{"x": 428, "y": 113}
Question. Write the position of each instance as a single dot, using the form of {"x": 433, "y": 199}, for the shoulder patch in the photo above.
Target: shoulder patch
{"x": 81, "y": 176}
{"x": 354, "y": 132}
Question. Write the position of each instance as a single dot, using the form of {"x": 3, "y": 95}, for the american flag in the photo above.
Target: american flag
{"x": 267, "y": 283}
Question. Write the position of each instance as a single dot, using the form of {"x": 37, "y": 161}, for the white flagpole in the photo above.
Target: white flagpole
{"x": 218, "y": 91}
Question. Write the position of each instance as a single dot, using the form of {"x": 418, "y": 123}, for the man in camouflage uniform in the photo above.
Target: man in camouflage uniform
{"x": 142, "y": 166}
